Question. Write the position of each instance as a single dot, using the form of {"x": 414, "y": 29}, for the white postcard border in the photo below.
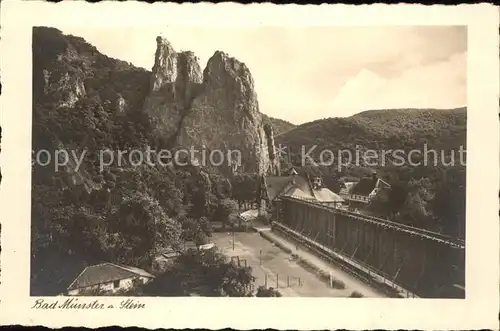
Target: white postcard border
{"x": 480, "y": 308}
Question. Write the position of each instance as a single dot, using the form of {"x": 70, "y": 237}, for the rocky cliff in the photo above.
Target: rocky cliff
{"x": 83, "y": 100}
{"x": 176, "y": 105}
{"x": 216, "y": 110}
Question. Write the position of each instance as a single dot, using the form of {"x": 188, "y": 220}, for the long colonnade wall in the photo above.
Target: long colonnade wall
{"x": 419, "y": 264}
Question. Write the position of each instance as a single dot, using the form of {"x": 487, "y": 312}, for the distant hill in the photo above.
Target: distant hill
{"x": 279, "y": 126}
{"x": 384, "y": 129}
{"x": 426, "y": 195}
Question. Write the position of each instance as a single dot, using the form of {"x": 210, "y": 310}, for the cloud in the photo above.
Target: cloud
{"x": 437, "y": 85}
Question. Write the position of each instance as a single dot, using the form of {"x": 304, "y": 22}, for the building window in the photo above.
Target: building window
{"x": 116, "y": 284}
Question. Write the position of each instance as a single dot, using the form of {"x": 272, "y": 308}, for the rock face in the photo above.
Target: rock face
{"x": 165, "y": 67}
{"x": 76, "y": 89}
{"x": 273, "y": 156}
{"x": 121, "y": 104}
{"x": 69, "y": 88}
{"x": 217, "y": 112}
{"x": 175, "y": 81}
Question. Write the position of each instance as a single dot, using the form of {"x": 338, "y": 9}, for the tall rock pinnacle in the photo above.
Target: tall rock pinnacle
{"x": 165, "y": 67}
{"x": 176, "y": 79}
{"x": 172, "y": 67}
{"x": 217, "y": 109}
{"x": 229, "y": 102}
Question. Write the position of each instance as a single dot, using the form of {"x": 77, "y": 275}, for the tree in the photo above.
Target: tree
{"x": 417, "y": 208}
{"x": 244, "y": 188}
{"x": 449, "y": 202}
{"x": 205, "y": 273}
{"x": 196, "y": 230}
{"x": 160, "y": 184}
{"x": 221, "y": 186}
{"x": 396, "y": 197}
{"x": 200, "y": 193}
{"x": 225, "y": 209}
{"x": 139, "y": 228}
{"x": 380, "y": 204}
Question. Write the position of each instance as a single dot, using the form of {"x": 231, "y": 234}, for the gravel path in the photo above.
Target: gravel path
{"x": 271, "y": 264}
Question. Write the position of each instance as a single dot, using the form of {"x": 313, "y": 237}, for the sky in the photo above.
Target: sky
{"x": 304, "y": 74}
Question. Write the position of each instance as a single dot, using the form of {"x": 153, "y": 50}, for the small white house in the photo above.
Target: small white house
{"x": 108, "y": 277}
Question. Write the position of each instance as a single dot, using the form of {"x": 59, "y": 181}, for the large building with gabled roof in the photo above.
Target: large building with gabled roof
{"x": 272, "y": 188}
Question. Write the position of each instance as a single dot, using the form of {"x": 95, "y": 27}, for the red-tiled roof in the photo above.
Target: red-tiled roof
{"x": 105, "y": 273}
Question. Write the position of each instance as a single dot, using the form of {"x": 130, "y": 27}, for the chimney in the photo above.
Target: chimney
{"x": 317, "y": 183}
{"x": 294, "y": 176}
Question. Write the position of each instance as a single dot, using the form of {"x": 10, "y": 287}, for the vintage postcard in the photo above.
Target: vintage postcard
{"x": 249, "y": 166}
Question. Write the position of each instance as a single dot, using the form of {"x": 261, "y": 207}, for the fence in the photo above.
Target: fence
{"x": 283, "y": 281}
{"x": 271, "y": 280}
{"x": 356, "y": 197}
{"x": 239, "y": 262}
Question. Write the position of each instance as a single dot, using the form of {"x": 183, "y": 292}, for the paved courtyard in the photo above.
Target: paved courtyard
{"x": 278, "y": 269}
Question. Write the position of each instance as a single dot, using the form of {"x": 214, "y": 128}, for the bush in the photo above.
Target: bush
{"x": 306, "y": 265}
{"x": 276, "y": 243}
{"x": 356, "y": 294}
{"x": 224, "y": 210}
{"x": 267, "y": 292}
{"x": 324, "y": 275}
{"x": 338, "y": 284}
